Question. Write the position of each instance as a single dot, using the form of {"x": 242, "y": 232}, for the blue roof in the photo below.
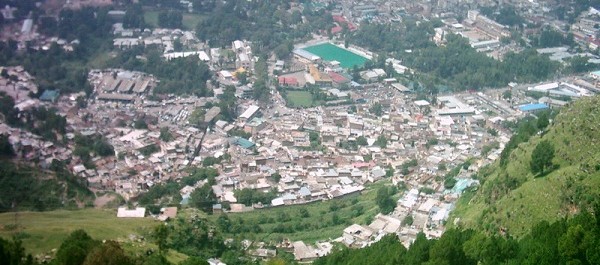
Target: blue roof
{"x": 185, "y": 199}
{"x": 244, "y": 143}
{"x": 304, "y": 191}
{"x": 532, "y": 107}
{"x": 462, "y": 184}
{"x": 49, "y": 95}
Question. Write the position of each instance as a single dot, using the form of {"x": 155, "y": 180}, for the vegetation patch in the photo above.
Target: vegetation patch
{"x": 46, "y": 230}
{"x": 543, "y": 173}
{"x": 301, "y": 98}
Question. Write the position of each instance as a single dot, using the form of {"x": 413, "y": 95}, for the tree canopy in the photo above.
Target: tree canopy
{"x": 573, "y": 241}
{"x": 541, "y": 158}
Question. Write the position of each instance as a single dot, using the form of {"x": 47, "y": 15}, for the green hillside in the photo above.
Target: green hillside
{"x": 512, "y": 198}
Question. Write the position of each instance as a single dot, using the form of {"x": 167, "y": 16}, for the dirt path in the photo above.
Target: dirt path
{"x": 103, "y": 200}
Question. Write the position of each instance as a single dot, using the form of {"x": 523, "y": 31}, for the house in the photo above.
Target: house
{"x": 357, "y": 235}
{"x": 263, "y": 253}
{"x": 288, "y": 81}
{"x": 249, "y": 113}
{"x": 303, "y": 253}
{"x": 167, "y": 213}
{"x": 300, "y": 138}
{"x": 139, "y": 212}
{"x": 49, "y": 95}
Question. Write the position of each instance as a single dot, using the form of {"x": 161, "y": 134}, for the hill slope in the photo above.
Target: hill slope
{"x": 511, "y": 197}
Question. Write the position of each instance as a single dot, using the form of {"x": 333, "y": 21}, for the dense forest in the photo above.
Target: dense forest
{"x": 249, "y": 20}
{"x": 457, "y": 63}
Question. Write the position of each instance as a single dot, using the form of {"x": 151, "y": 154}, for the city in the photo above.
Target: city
{"x": 328, "y": 120}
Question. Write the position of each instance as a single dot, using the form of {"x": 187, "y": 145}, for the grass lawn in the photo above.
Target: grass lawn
{"x": 151, "y": 17}
{"x": 330, "y": 52}
{"x": 43, "y": 231}
{"x": 300, "y": 99}
{"x": 190, "y": 21}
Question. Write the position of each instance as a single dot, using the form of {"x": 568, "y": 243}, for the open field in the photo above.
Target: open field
{"x": 44, "y": 231}
{"x": 151, "y": 18}
{"x": 300, "y": 98}
{"x": 330, "y": 52}
{"x": 189, "y": 20}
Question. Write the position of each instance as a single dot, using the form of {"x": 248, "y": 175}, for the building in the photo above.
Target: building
{"x": 303, "y": 253}
{"x": 249, "y": 113}
{"x": 138, "y": 212}
{"x": 50, "y": 95}
{"x": 305, "y": 56}
{"x": 533, "y": 107}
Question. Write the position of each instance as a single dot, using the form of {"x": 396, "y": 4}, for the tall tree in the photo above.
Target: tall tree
{"x": 6, "y": 149}
{"x": 108, "y": 253}
{"x": 74, "y": 249}
{"x": 541, "y": 158}
{"x": 203, "y": 198}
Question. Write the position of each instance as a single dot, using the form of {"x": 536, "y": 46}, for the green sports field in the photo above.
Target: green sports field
{"x": 330, "y": 52}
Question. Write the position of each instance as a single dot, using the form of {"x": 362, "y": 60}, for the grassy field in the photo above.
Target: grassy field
{"x": 300, "y": 99}
{"x": 330, "y": 52}
{"x": 44, "y": 231}
{"x": 151, "y": 18}
{"x": 189, "y": 20}
{"x": 318, "y": 213}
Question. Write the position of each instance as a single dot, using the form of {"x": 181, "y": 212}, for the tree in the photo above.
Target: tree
{"x": 177, "y": 45}
{"x": 203, "y": 198}
{"x": 165, "y": 134}
{"x": 376, "y": 109}
{"x": 573, "y": 244}
{"x": 109, "y": 253}
{"x": 74, "y": 249}
{"x": 384, "y": 200}
{"x": 13, "y": 253}
{"x": 580, "y": 64}
{"x": 197, "y": 117}
{"x": 194, "y": 261}
{"x": 381, "y": 141}
{"x": 507, "y": 95}
{"x": 541, "y": 158}
{"x": 170, "y": 19}
{"x": 389, "y": 172}
{"x": 5, "y": 147}
{"x": 408, "y": 220}
{"x": 419, "y": 249}
{"x": 161, "y": 233}
{"x": 134, "y": 17}
{"x": 242, "y": 77}
{"x": 449, "y": 182}
{"x": 140, "y": 124}
{"x": 276, "y": 177}
{"x": 543, "y": 120}
{"x": 362, "y": 141}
